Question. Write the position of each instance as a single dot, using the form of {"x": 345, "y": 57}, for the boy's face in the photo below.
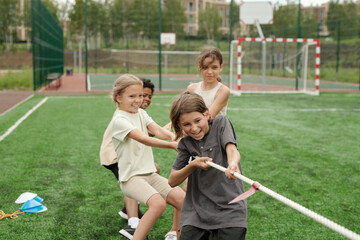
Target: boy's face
{"x": 131, "y": 98}
{"x": 211, "y": 69}
{"x": 195, "y": 124}
{"x": 147, "y": 98}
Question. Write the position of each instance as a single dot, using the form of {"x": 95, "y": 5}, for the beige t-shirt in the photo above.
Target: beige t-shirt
{"x": 134, "y": 158}
{"x": 107, "y": 151}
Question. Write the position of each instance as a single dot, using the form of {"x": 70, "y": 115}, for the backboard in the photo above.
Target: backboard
{"x": 168, "y": 38}
{"x": 252, "y": 11}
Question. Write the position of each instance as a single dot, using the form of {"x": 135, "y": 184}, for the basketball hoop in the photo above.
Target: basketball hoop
{"x": 168, "y": 39}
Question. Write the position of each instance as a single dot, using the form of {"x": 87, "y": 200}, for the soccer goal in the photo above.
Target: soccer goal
{"x": 289, "y": 65}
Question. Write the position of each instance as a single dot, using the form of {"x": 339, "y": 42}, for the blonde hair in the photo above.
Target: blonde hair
{"x": 124, "y": 81}
{"x": 186, "y": 103}
{"x": 211, "y": 52}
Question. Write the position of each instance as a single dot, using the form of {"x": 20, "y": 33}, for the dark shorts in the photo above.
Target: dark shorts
{"x": 114, "y": 168}
{"x": 193, "y": 233}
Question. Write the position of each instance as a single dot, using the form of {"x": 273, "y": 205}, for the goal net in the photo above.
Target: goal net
{"x": 274, "y": 65}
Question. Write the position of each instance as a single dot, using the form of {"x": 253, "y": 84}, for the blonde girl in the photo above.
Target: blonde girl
{"x": 137, "y": 176}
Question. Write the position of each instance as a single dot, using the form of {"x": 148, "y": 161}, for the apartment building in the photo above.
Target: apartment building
{"x": 22, "y": 32}
{"x": 193, "y": 7}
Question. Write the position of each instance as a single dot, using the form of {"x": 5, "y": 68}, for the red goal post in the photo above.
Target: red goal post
{"x": 239, "y": 83}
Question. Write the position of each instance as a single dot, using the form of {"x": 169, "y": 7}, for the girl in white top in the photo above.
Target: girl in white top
{"x": 214, "y": 93}
{"x": 138, "y": 178}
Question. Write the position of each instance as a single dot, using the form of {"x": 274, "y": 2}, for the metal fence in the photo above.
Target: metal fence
{"x": 47, "y": 44}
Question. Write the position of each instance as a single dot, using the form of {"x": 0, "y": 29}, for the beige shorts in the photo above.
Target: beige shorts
{"x": 142, "y": 187}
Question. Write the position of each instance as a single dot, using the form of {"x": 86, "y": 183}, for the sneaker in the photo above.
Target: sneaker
{"x": 128, "y": 232}
{"x": 124, "y": 215}
{"x": 171, "y": 235}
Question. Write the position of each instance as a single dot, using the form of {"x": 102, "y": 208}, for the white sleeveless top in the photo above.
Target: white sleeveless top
{"x": 209, "y": 96}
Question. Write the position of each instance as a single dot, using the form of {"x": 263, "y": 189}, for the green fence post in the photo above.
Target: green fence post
{"x": 86, "y": 49}
{"x": 188, "y": 55}
{"x": 159, "y": 43}
{"x": 298, "y": 47}
{"x": 230, "y": 31}
{"x": 338, "y": 48}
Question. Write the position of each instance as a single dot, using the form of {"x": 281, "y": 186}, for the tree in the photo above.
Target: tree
{"x": 53, "y": 8}
{"x": 8, "y": 17}
{"x": 174, "y": 17}
{"x": 236, "y": 20}
{"x": 143, "y": 18}
{"x": 77, "y": 18}
{"x": 350, "y": 23}
{"x": 335, "y": 13}
{"x": 209, "y": 23}
{"x": 309, "y": 25}
{"x": 118, "y": 15}
{"x": 98, "y": 22}
{"x": 285, "y": 20}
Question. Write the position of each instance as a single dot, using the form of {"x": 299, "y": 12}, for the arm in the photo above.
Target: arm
{"x": 160, "y": 132}
{"x": 150, "y": 141}
{"x": 233, "y": 157}
{"x": 178, "y": 176}
{"x": 220, "y": 101}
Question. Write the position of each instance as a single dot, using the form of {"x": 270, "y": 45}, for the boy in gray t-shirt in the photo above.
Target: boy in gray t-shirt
{"x": 206, "y": 213}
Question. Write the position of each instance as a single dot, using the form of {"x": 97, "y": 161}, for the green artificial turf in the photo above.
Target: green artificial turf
{"x": 305, "y": 148}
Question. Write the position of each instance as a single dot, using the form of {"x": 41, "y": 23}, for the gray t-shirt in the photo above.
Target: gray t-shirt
{"x": 208, "y": 192}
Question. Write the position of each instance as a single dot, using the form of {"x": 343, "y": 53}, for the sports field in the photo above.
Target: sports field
{"x": 171, "y": 82}
{"x": 303, "y": 147}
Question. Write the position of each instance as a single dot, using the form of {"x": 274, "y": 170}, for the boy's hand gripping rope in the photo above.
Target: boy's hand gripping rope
{"x": 328, "y": 223}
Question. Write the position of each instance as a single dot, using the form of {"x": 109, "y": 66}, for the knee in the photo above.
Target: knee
{"x": 157, "y": 203}
{"x": 176, "y": 198}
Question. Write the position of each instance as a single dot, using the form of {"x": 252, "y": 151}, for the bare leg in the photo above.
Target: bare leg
{"x": 131, "y": 206}
{"x": 176, "y": 199}
{"x": 157, "y": 207}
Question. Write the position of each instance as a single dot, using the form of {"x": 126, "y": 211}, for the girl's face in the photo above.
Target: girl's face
{"x": 195, "y": 124}
{"x": 211, "y": 69}
{"x": 147, "y": 98}
{"x": 131, "y": 98}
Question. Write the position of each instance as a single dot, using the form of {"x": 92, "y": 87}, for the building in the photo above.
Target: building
{"x": 22, "y": 32}
{"x": 192, "y": 9}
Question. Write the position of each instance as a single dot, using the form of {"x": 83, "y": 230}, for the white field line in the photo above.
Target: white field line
{"x": 18, "y": 122}
{"x": 230, "y": 108}
{"x": 283, "y": 110}
{"x": 79, "y": 97}
{"x": 296, "y": 109}
{"x": 16, "y": 105}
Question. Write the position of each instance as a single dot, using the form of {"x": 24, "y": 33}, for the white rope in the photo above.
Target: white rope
{"x": 330, "y": 224}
